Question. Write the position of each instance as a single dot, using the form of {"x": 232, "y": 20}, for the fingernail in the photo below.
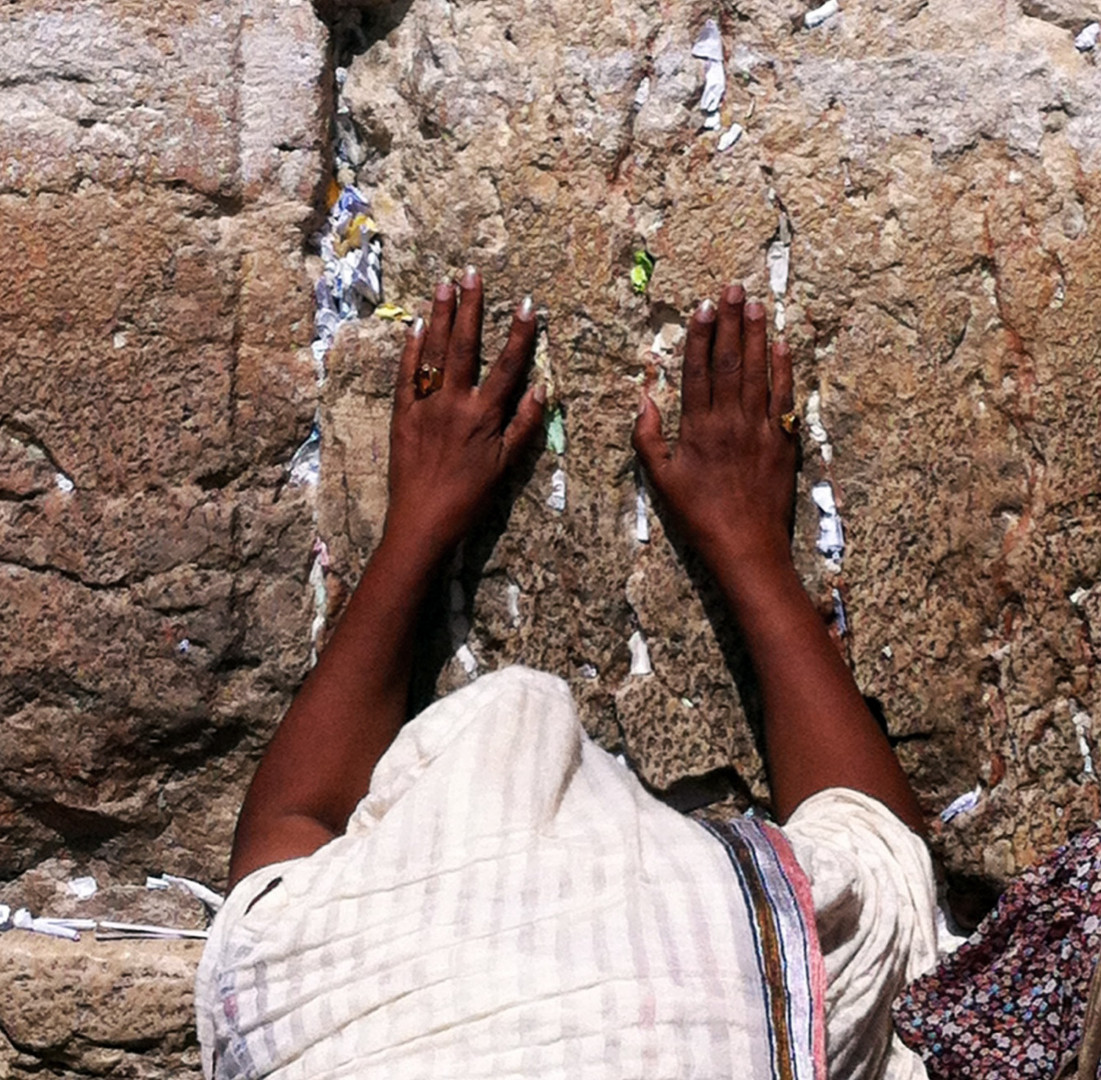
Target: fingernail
{"x": 540, "y": 394}
{"x": 733, "y": 294}
{"x": 443, "y": 291}
{"x": 470, "y": 277}
{"x": 754, "y": 310}
{"x": 707, "y": 311}
{"x": 524, "y": 311}
{"x": 418, "y": 327}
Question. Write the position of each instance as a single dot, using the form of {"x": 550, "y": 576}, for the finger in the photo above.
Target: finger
{"x": 647, "y": 439}
{"x": 404, "y": 392}
{"x": 502, "y": 381}
{"x": 465, "y": 350}
{"x": 782, "y": 396}
{"x": 527, "y": 421}
{"x": 695, "y": 393}
{"x": 727, "y": 359}
{"x": 438, "y": 335}
{"x": 755, "y": 363}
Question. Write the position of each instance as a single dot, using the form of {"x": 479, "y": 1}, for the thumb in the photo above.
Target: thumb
{"x": 647, "y": 439}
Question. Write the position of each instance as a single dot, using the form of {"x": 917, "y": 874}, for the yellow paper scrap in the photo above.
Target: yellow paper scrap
{"x": 394, "y": 312}
{"x": 353, "y": 235}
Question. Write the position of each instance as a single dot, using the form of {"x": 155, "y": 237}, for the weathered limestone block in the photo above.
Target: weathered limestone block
{"x": 119, "y": 1009}
{"x": 937, "y": 167}
{"x": 158, "y": 176}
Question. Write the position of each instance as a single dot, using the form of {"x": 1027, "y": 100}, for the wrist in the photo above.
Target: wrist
{"x": 753, "y": 576}
{"x": 414, "y": 545}
{"x": 745, "y": 553}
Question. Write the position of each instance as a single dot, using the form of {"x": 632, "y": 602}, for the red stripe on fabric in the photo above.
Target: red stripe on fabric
{"x": 801, "y": 886}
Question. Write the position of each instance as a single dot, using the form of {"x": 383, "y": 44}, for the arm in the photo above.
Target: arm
{"x": 447, "y": 452}
{"x": 729, "y": 484}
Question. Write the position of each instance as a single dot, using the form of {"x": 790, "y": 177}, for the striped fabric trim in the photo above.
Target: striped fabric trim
{"x": 789, "y": 959}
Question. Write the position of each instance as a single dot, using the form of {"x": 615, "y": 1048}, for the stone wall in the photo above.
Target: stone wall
{"x": 930, "y": 172}
{"x": 159, "y": 168}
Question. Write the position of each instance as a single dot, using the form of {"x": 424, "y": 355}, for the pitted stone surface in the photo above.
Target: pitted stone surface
{"x": 937, "y": 163}
{"x": 157, "y": 175}
{"x": 160, "y": 173}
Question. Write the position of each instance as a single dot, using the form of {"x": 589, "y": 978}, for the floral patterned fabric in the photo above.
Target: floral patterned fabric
{"x": 1010, "y": 1002}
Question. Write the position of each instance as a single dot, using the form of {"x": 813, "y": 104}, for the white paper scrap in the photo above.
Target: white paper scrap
{"x": 640, "y": 655}
{"x": 5, "y": 917}
{"x": 779, "y": 264}
{"x": 730, "y": 136}
{"x": 305, "y": 466}
{"x": 201, "y": 892}
{"x": 110, "y": 931}
{"x": 1083, "y": 728}
{"x": 1078, "y": 596}
{"x": 642, "y": 517}
{"x": 69, "y": 924}
{"x": 714, "y": 87}
{"x": 64, "y": 484}
{"x": 557, "y": 498}
{"x": 817, "y": 16}
{"x": 709, "y": 45}
{"x": 83, "y": 888}
{"x": 1087, "y": 39}
{"x": 965, "y": 803}
{"x": 320, "y": 606}
{"x": 712, "y": 121}
{"x": 467, "y": 659}
{"x": 642, "y": 94}
{"x": 831, "y": 533}
{"x": 841, "y": 619}
{"x": 588, "y": 671}
{"x": 512, "y": 594}
{"x": 815, "y": 428}
{"x": 24, "y": 920}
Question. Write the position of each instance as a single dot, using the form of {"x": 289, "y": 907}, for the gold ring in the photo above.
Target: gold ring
{"x": 789, "y": 421}
{"x": 427, "y": 379}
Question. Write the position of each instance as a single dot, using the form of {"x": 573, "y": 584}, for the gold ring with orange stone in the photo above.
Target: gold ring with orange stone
{"x": 427, "y": 379}
{"x": 789, "y": 421}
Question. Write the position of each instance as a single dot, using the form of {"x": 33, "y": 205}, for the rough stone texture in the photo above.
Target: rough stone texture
{"x": 157, "y": 176}
{"x": 159, "y": 170}
{"x": 938, "y": 163}
{"x": 119, "y": 1009}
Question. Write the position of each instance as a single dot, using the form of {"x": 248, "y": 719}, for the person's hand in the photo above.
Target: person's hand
{"x": 449, "y": 449}
{"x": 729, "y": 480}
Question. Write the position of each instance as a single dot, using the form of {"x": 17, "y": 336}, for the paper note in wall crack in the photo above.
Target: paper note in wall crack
{"x": 83, "y": 888}
{"x": 817, "y": 16}
{"x": 557, "y": 498}
{"x": 730, "y": 136}
{"x": 831, "y": 533}
{"x": 640, "y": 655}
{"x": 1086, "y": 41}
{"x": 962, "y": 805}
{"x": 642, "y": 516}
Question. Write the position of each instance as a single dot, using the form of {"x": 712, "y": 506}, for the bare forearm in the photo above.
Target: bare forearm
{"x": 348, "y": 711}
{"x": 819, "y": 731}
{"x": 450, "y": 445}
